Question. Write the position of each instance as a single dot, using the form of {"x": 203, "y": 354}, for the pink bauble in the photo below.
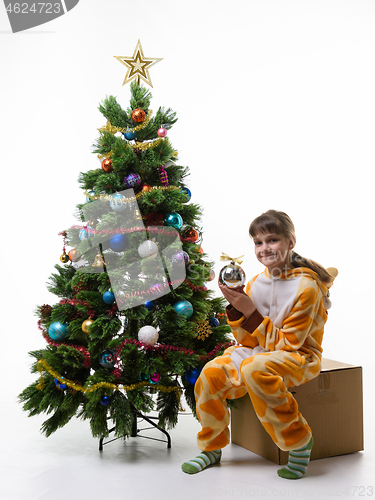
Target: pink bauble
{"x": 155, "y": 377}
{"x": 162, "y": 132}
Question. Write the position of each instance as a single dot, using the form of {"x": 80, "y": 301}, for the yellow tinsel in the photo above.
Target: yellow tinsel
{"x": 108, "y": 197}
{"x": 43, "y": 365}
{"x": 112, "y": 129}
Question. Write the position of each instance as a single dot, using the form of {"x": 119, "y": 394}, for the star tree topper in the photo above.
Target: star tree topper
{"x": 138, "y": 65}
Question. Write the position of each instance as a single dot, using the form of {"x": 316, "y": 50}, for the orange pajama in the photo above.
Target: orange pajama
{"x": 288, "y": 327}
{"x": 266, "y": 378}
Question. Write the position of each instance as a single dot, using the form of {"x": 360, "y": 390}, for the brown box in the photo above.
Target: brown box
{"x": 332, "y": 405}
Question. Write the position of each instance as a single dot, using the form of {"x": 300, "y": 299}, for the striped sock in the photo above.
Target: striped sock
{"x": 201, "y": 461}
{"x": 297, "y": 463}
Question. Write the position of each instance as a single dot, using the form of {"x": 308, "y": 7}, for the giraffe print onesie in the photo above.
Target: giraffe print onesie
{"x": 279, "y": 346}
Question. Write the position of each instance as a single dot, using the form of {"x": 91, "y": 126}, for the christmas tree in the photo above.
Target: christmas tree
{"x": 134, "y": 321}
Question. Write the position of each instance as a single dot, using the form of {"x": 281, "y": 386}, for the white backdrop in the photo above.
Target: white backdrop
{"x": 276, "y": 106}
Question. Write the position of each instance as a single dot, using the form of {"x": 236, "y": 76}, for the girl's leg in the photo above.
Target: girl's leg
{"x": 217, "y": 383}
{"x": 267, "y": 377}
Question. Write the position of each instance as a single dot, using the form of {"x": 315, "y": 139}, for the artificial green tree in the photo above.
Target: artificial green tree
{"x": 100, "y": 363}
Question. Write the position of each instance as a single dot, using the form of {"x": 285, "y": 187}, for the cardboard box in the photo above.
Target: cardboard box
{"x": 331, "y": 403}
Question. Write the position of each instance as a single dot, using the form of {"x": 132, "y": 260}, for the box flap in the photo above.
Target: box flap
{"x": 330, "y": 364}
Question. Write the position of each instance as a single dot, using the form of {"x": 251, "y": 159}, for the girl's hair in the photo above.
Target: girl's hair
{"x": 280, "y": 223}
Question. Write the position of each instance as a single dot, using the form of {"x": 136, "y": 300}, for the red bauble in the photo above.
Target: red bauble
{"x": 138, "y": 115}
{"x": 191, "y": 235}
{"x": 146, "y": 187}
{"x": 107, "y": 165}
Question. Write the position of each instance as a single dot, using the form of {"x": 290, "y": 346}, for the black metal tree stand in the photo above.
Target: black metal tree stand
{"x": 135, "y": 431}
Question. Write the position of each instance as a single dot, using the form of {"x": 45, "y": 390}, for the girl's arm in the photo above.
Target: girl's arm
{"x": 256, "y": 329}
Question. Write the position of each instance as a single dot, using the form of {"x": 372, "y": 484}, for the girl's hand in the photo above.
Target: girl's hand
{"x": 239, "y": 300}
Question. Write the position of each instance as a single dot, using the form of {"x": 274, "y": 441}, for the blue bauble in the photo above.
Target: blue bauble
{"x": 90, "y": 194}
{"x": 187, "y": 192}
{"x": 109, "y": 297}
{"x": 107, "y": 359}
{"x": 192, "y": 376}
{"x": 150, "y": 305}
{"x": 105, "y": 401}
{"x": 214, "y": 322}
{"x": 118, "y": 242}
{"x": 60, "y": 385}
{"x": 184, "y": 308}
{"x": 173, "y": 219}
{"x": 58, "y": 330}
{"x": 129, "y": 135}
{"x": 117, "y": 203}
{"x": 86, "y": 233}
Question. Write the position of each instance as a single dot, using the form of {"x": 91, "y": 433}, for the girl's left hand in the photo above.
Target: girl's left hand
{"x": 239, "y": 300}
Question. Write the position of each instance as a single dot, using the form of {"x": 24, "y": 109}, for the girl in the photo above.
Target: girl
{"x": 278, "y": 324}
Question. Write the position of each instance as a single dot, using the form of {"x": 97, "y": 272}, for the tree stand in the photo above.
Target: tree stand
{"x": 135, "y": 431}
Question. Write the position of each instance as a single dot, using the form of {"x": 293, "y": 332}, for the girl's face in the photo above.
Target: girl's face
{"x": 272, "y": 250}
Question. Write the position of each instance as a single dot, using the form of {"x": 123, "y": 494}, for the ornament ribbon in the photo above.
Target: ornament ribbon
{"x": 227, "y": 257}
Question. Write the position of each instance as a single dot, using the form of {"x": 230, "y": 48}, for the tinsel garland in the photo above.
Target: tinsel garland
{"x": 113, "y": 130}
{"x": 83, "y": 350}
{"x": 124, "y": 201}
{"x": 164, "y": 348}
{"x": 42, "y": 365}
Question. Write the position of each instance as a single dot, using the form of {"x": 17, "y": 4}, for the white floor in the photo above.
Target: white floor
{"x": 69, "y": 466}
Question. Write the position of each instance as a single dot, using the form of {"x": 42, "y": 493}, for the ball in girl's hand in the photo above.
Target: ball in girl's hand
{"x": 233, "y": 276}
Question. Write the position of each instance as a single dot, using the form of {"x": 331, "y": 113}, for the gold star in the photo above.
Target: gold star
{"x": 138, "y": 65}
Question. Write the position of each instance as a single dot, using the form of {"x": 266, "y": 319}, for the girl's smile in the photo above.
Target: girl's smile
{"x": 272, "y": 250}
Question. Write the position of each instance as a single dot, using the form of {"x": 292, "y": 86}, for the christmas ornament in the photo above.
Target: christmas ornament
{"x": 191, "y": 235}
{"x": 64, "y": 258}
{"x": 232, "y": 275}
{"x": 150, "y": 305}
{"x": 107, "y": 165}
{"x": 89, "y": 196}
{"x": 203, "y": 329}
{"x": 117, "y": 202}
{"x": 138, "y": 115}
{"x": 212, "y": 275}
{"x": 162, "y": 132}
{"x": 181, "y": 258}
{"x": 192, "y": 376}
{"x": 86, "y": 325}
{"x": 173, "y": 219}
{"x": 109, "y": 297}
{"x": 146, "y": 187}
{"x": 163, "y": 176}
{"x": 132, "y": 180}
{"x": 58, "y": 330}
{"x": 187, "y": 192}
{"x": 118, "y": 242}
{"x": 105, "y": 400}
{"x": 148, "y": 249}
{"x": 130, "y": 135}
{"x": 98, "y": 261}
{"x": 148, "y": 334}
{"x": 184, "y": 308}
{"x": 138, "y": 65}
{"x": 214, "y": 322}
{"x": 73, "y": 255}
{"x": 85, "y": 233}
{"x": 107, "y": 359}
{"x": 60, "y": 385}
{"x": 45, "y": 310}
{"x": 154, "y": 378}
